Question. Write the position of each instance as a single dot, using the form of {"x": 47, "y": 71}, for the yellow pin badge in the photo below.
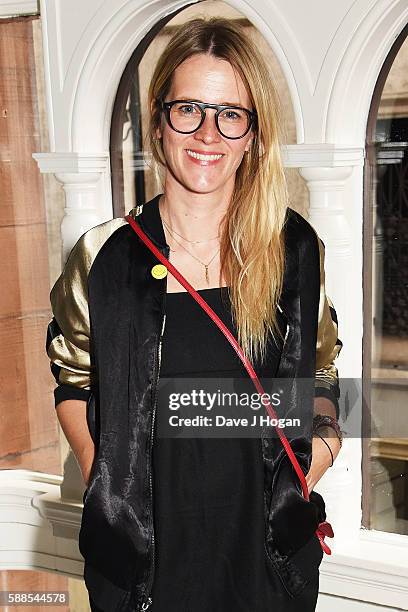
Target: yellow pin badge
{"x": 159, "y": 271}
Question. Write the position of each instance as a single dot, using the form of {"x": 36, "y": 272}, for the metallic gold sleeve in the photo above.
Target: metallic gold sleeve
{"x": 328, "y": 344}
{"x": 68, "y": 333}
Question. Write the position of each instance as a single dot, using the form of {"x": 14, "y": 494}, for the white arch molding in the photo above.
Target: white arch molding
{"x": 331, "y": 82}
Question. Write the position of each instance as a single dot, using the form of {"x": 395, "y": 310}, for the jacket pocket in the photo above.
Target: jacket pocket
{"x": 318, "y": 500}
{"x": 292, "y": 546}
{"x": 291, "y": 519}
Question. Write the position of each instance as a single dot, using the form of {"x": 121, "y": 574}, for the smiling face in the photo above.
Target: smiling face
{"x": 204, "y": 161}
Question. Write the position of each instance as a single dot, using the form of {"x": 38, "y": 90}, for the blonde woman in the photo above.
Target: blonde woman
{"x": 199, "y": 524}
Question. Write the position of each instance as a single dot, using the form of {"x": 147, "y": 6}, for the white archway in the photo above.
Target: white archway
{"x": 358, "y": 71}
{"x": 107, "y": 58}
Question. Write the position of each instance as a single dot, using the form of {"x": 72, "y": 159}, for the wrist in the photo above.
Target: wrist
{"x": 328, "y": 422}
{"x": 85, "y": 459}
{"x": 330, "y": 441}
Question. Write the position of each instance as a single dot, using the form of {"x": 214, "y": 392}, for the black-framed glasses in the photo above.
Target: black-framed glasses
{"x": 187, "y": 116}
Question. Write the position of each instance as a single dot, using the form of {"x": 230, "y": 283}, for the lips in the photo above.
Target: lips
{"x": 207, "y": 157}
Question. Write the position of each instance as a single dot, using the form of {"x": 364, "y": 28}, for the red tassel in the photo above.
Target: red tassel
{"x": 324, "y": 529}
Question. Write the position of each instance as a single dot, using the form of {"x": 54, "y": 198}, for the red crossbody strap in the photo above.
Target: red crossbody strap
{"x": 183, "y": 281}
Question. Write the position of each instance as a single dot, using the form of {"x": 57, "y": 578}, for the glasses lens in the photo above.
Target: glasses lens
{"x": 185, "y": 116}
{"x": 233, "y": 122}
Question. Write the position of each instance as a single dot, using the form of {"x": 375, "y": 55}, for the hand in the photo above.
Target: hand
{"x": 85, "y": 463}
{"x": 321, "y": 458}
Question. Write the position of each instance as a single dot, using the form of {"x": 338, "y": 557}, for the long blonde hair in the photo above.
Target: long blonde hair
{"x": 252, "y": 248}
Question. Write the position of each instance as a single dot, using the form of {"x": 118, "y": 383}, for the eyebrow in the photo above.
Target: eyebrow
{"x": 185, "y": 99}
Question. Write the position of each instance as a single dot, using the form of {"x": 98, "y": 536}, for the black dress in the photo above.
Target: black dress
{"x": 208, "y": 493}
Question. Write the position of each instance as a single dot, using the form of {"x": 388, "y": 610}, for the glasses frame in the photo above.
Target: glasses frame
{"x": 167, "y": 106}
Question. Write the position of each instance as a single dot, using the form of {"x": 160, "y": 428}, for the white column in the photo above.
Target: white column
{"x": 327, "y": 215}
{"x": 84, "y": 179}
{"x": 327, "y": 170}
{"x": 80, "y": 207}
{"x": 86, "y": 204}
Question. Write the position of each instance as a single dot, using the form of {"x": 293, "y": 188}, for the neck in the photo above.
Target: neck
{"x": 195, "y": 216}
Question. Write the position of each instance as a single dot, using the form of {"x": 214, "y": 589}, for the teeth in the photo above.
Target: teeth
{"x": 202, "y": 157}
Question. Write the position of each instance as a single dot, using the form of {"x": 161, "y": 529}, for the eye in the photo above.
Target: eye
{"x": 186, "y": 109}
{"x": 232, "y": 114}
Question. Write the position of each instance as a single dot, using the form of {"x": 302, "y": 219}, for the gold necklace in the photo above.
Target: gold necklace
{"x": 196, "y": 258}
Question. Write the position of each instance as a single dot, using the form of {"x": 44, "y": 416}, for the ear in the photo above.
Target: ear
{"x": 158, "y": 133}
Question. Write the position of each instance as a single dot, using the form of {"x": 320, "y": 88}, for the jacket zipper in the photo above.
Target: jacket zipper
{"x": 148, "y": 602}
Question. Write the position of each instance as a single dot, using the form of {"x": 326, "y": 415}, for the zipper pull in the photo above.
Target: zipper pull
{"x": 147, "y": 604}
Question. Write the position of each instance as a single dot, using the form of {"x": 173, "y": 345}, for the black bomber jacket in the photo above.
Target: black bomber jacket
{"x": 104, "y": 344}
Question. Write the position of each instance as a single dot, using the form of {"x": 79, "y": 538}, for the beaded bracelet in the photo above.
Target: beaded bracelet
{"x": 321, "y": 420}
{"x": 321, "y": 437}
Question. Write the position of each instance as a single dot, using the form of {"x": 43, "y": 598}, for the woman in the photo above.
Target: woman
{"x": 198, "y": 524}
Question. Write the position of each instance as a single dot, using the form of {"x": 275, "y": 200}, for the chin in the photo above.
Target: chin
{"x": 194, "y": 182}
{"x": 207, "y": 186}
{"x": 204, "y": 189}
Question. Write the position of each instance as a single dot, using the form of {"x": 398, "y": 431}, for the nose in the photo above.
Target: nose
{"x": 208, "y": 132}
